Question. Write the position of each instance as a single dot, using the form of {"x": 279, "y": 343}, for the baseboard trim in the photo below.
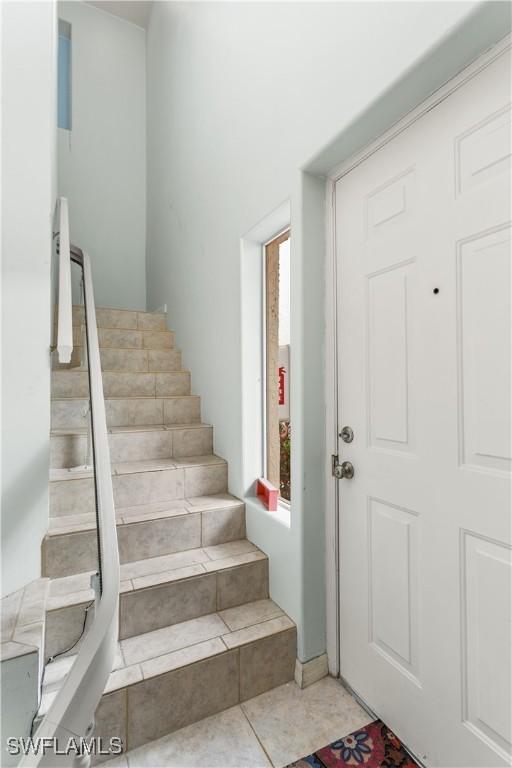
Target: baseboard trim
{"x": 311, "y": 671}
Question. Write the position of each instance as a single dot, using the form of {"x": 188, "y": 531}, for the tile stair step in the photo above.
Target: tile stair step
{"x": 120, "y": 338}
{"x": 128, "y": 319}
{"x": 71, "y": 412}
{"x": 161, "y": 591}
{"x": 140, "y": 482}
{"x": 194, "y": 609}
{"x": 75, "y": 383}
{"x": 68, "y": 448}
{"x": 126, "y": 360}
{"x": 168, "y": 678}
{"x": 144, "y": 531}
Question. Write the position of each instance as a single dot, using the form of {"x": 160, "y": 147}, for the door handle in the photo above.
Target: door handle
{"x": 343, "y": 471}
{"x": 347, "y": 470}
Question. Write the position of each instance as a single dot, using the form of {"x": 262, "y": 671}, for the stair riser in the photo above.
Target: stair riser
{"x": 122, "y": 318}
{"x": 143, "y": 610}
{"x": 70, "y": 497}
{"x": 76, "y": 361}
{"x": 72, "y": 553}
{"x": 128, "y": 360}
{"x": 160, "y": 705}
{"x": 70, "y": 450}
{"x": 113, "y": 338}
{"x": 109, "y": 338}
{"x": 125, "y": 412}
{"x": 77, "y": 552}
{"x": 76, "y": 384}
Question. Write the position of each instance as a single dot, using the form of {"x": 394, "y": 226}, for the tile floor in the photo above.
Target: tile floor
{"x": 273, "y": 729}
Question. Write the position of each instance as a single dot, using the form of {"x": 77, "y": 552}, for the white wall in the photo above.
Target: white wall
{"x": 28, "y": 194}
{"x": 20, "y": 695}
{"x": 240, "y": 97}
{"x": 101, "y": 161}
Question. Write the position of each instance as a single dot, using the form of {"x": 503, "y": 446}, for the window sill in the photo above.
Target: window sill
{"x": 282, "y": 515}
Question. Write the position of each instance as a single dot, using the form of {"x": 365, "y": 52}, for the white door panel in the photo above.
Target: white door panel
{"x": 423, "y": 253}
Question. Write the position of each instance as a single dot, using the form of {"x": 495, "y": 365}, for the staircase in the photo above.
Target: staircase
{"x": 197, "y": 630}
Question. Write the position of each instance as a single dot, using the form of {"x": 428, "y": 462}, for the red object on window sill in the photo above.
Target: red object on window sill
{"x": 267, "y": 494}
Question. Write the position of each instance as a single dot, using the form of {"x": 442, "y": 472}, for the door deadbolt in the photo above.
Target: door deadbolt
{"x": 347, "y": 434}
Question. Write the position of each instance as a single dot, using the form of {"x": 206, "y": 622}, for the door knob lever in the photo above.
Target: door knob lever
{"x": 343, "y": 471}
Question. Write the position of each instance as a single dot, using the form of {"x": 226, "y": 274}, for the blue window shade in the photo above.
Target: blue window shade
{"x": 64, "y": 83}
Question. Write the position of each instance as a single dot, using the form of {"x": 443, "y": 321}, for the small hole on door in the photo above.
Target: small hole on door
{"x": 436, "y": 290}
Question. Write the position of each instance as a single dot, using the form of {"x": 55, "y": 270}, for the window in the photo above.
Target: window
{"x": 277, "y": 360}
{"x": 64, "y": 76}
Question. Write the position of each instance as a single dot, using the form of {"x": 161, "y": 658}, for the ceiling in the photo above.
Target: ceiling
{"x": 136, "y": 11}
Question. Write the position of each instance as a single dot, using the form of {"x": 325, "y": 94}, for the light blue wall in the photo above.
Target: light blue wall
{"x": 19, "y": 700}
{"x": 29, "y": 118}
{"x": 240, "y": 97}
{"x": 102, "y": 159}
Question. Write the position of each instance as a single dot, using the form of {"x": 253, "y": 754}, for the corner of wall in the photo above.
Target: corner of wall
{"x": 28, "y": 80}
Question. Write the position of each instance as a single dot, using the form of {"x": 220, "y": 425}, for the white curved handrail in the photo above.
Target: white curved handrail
{"x": 72, "y": 712}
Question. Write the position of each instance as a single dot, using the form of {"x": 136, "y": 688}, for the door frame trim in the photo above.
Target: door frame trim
{"x": 332, "y": 492}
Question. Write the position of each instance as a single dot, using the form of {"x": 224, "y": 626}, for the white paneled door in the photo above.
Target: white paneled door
{"x": 423, "y": 261}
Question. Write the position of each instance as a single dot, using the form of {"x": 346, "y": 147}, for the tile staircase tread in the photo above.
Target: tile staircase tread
{"x": 157, "y": 427}
{"x": 124, "y": 515}
{"x": 78, "y": 322}
{"x": 65, "y": 524}
{"x": 163, "y": 331}
{"x": 63, "y": 431}
{"x": 205, "y": 459}
{"x": 133, "y": 330}
{"x": 58, "y": 475}
{"x": 133, "y": 349}
{"x": 132, "y": 397}
{"x": 132, "y": 310}
{"x": 141, "y": 331}
{"x": 162, "y": 650}
{"x": 155, "y": 510}
{"x": 233, "y": 561}
{"x": 221, "y": 552}
{"x": 122, "y": 328}
{"x": 78, "y": 369}
{"x": 57, "y": 432}
{"x": 139, "y": 574}
{"x": 213, "y": 501}
{"x": 71, "y": 524}
{"x": 154, "y": 465}
{"x": 144, "y": 465}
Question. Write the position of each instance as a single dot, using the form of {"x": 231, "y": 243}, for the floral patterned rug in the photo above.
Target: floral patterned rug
{"x": 373, "y": 746}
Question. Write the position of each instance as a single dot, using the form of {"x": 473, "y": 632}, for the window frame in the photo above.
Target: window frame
{"x": 270, "y": 281}
{"x": 64, "y": 89}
